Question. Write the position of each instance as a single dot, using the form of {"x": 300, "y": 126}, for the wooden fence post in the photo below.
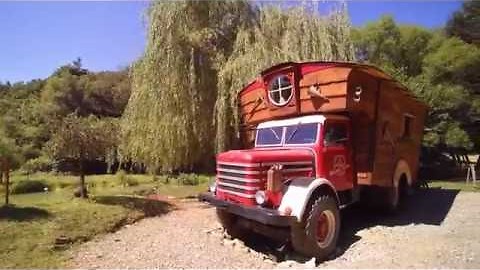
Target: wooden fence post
{"x": 472, "y": 174}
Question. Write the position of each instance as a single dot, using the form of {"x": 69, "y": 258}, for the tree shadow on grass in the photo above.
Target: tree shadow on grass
{"x": 150, "y": 207}
{"x": 15, "y": 213}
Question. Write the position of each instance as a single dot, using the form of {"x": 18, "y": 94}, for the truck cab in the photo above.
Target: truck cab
{"x": 313, "y": 146}
{"x": 316, "y": 137}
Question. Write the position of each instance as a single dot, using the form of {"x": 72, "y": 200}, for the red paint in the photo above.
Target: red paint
{"x": 312, "y": 67}
{"x": 252, "y": 86}
{"x": 274, "y": 198}
{"x": 263, "y": 155}
{"x": 336, "y": 163}
{"x": 333, "y": 163}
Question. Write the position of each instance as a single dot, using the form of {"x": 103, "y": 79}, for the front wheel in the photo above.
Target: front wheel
{"x": 318, "y": 238}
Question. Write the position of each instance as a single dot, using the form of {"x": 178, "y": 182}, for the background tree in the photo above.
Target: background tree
{"x": 30, "y": 111}
{"x": 378, "y": 42}
{"x": 442, "y": 71}
{"x": 465, "y": 23}
{"x": 65, "y": 92}
{"x": 81, "y": 139}
{"x": 9, "y": 160}
{"x": 19, "y": 119}
{"x": 107, "y": 93}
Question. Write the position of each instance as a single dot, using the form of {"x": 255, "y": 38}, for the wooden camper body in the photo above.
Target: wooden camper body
{"x": 387, "y": 120}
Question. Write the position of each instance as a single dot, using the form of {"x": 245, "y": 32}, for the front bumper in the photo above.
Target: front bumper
{"x": 262, "y": 215}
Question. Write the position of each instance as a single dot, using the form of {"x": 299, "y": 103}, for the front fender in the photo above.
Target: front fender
{"x": 298, "y": 194}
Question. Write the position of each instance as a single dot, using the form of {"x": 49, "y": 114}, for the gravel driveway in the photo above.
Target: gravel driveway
{"x": 438, "y": 229}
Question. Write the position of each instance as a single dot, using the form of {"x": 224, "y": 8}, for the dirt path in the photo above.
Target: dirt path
{"x": 440, "y": 229}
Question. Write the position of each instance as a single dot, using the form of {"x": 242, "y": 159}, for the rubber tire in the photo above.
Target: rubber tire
{"x": 303, "y": 235}
{"x": 228, "y": 222}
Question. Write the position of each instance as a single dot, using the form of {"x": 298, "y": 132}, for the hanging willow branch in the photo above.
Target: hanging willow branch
{"x": 167, "y": 124}
{"x": 298, "y": 34}
{"x": 198, "y": 56}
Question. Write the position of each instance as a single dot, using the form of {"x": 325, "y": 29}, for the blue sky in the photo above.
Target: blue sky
{"x": 38, "y": 37}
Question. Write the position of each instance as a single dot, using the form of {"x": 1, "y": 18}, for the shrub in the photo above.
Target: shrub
{"x": 62, "y": 184}
{"x": 131, "y": 181}
{"x": 39, "y": 164}
{"x": 126, "y": 180}
{"x": 188, "y": 179}
{"x": 121, "y": 176}
{"x": 164, "y": 179}
{"x": 205, "y": 179}
{"x": 29, "y": 186}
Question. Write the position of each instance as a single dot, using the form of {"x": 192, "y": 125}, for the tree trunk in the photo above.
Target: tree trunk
{"x": 1, "y": 170}
{"x": 83, "y": 189}
{"x": 5, "y": 177}
{"x": 7, "y": 184}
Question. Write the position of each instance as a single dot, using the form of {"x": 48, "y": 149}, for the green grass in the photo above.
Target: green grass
{"x": 455, "y": 184}
{"x": 29, "y": 228}
{"x": 107, "y": 184}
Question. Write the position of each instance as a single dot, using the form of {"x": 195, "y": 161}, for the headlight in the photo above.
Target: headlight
{"x": 213, "y": 187}
{"x": 260, "y": 197}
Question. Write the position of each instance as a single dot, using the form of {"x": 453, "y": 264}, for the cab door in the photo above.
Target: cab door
{"x": 337, "y": 154}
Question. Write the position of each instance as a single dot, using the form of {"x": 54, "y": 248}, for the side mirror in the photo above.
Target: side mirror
{"x": 341, "y": 140}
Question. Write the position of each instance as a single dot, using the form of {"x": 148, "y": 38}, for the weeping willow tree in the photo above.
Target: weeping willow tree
{"x": 167, "y": 124}
{"x": 298, "y": 34}
{"x": 198, "y": 56}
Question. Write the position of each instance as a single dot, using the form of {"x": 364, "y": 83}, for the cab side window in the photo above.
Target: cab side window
{"x": 335, "y": 135}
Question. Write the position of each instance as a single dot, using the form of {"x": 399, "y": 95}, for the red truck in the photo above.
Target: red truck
{"x": 316, "y": 136}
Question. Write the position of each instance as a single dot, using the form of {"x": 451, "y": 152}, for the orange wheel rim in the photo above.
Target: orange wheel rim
{"x": 322, "y": 227}
{"x": 325, "y": 230}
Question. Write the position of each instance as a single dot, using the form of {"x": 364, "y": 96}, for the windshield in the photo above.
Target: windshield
{"x": 295, "y": 134}
{"x": 301, "y": 134}
{"x": 269, "y": 136}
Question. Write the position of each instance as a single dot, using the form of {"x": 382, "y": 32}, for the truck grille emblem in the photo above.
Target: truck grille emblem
{"x": 340, "y": 166}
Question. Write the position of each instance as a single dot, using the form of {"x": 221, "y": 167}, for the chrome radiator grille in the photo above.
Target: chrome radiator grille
{"x": 240, "y": 179}
{"x": 245, "y": 179}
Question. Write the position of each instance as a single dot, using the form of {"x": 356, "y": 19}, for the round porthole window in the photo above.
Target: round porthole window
{"x": 280, "y": 90}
